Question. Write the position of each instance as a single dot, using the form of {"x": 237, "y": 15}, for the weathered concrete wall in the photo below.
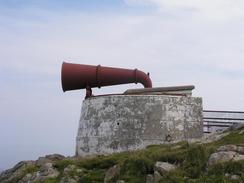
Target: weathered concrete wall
{"x": 122, "y": 122}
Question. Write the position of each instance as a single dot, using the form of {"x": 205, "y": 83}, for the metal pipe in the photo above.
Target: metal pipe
{"x": 79, "y": 76}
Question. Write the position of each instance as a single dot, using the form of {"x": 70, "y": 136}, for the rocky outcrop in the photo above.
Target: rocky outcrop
{"x": 191, "y": 163}
{"x": 46, "y": 171}
{"x": 227, "y": 153}
{"x": 32, "y": 171}
{"x": 13, "y": 174}
{"x": 49, "y": 159}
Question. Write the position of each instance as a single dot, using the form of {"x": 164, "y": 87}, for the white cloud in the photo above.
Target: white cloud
{"x": 210, "y": 9}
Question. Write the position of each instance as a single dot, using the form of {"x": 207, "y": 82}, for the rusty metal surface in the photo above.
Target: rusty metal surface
{"x": 79, "y": 76}
{"x": 175, "y": 90}
{"x": 156, "y": 94}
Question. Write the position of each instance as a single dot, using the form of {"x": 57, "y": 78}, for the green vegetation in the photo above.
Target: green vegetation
{"x": 191, "y": 160}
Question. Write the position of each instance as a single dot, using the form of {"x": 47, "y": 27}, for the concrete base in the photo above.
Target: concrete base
{"x": 119, "y": 123}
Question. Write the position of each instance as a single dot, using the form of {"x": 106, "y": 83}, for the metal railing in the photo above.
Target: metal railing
{"x": 220, "y": 120}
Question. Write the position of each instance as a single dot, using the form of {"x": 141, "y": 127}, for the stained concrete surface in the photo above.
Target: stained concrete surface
{"x": 119, "y": 123}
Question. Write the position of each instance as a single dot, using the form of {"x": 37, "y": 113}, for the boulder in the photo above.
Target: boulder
{"x": 26, "y": 178}
{"x": 46, "y": 171}
{"x": 221, "y": 157}
{"x": 234, "y": 177}
{"x": 156, "y": 177}
{"x": 163, "y": 167}
{"x": 227, "y": 153}
{"x": 49, "y": 159}
{"x": 112, "y": 174}
{"x": 55, "y": 157}
{"x": 69, "y": 169}
{"x": 236, "y": 148}
{"x": 16, "y": 172}
{"x": 68, "y": 180}
{"x": 149, "y": 178}
{"x": 238, "y": 157}
{"x": 227, "y": 148}
{"x": 240, "y": 149}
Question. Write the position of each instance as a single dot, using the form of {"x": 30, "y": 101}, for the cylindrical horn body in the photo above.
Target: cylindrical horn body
{"x": 79, "y": 76}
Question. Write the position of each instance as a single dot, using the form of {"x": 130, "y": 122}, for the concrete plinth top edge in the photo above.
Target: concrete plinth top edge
{"x": 140, "y": 96}
{"x": 160, "y": 89}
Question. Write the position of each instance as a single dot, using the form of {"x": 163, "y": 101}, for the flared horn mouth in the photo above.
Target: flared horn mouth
{"x": 80, "y": 76}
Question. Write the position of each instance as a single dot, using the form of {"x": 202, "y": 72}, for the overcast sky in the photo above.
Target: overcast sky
{"x": 199, "y": 42}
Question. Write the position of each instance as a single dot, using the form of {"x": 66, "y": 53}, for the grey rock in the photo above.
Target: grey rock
{"x": 236, "y": 148}
{"x": 227, "y": 148}
{"x": 163, "y": 167}
{"x": 46, "y": 171}
{"x": 26, "y": 178}
{"x": 149, "y": 178}
{"x": 79, "y": 171}
{"x": 156, "y": 177}
{"x": 238, "y": 157}
{"x": 69, "y": 169}
{"x": 242, "y": 131}
{"x": 227, "y": 153}
{"x": 77, "y": 178}
{"x": 234, "y": 177}
{"x": 14, "y": 173}
{"x": 240, "y": 149}
{"x": 227, "y": 175}
{"x": 42, "y": 160}
{"x": 49, "y": 159}
{"x": 221, "y": 157}
{"x": 112, "y": 174}
{"x": 68, "y": 180}
{"x": 55, "y": 157}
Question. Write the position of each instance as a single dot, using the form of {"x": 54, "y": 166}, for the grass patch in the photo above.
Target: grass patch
{"x": 60, "y": 165}
{"x": 191, "y": 160}
{"x": 195, "y": 161}
{"x": 102, "y": 162}
{"x": 93, "y": 176}
{"x": 52, "y": 180}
